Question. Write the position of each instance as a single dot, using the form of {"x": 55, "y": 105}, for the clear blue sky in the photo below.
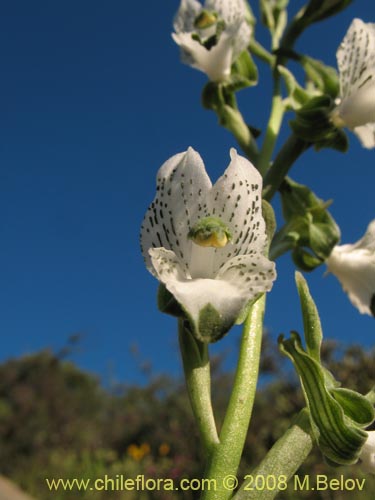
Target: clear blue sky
{"x": 93, "y": 100}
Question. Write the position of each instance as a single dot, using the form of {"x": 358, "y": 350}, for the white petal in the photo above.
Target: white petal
{"x": 182, "y": 187}
{"x": 366, "y": 134}
{"x": 216, "y": 62}
{"x": 358, "y": 108}
{"x": 356, "y": 56}
{"x": 253, "y": 274}
{"x": 186, "y": 15}
{"x": 230, "y": 11}
{"x": 368, "y": 239}
{"x": 242, "y": 280}
{"x": 166, "y": 266}
{"x": 354, "y": 266}
{"x": 368, "y": 453}
{"x": 236, "y": 199}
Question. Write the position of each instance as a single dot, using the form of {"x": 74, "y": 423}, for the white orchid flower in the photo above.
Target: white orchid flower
{"x": 354, "y": 266}
{"x": 368, "y": 453}
{"x": 205, "y": 242}
{"x": 212, "y": 36}
{"x": 356, "y": 62}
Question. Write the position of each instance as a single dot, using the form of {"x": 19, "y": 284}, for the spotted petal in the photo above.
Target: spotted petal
{"x": 236, "y": 199}
{"x": 356, "y": 62}
{"x": 354, "y": 266}
{"x": 182, "y": 186}
{"x": 186, "y": 15}
{"x": 356, "y": 57}
{"x": 215, "y": 302}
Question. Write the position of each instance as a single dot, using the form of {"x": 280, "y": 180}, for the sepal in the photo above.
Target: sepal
{"x": 313, "y": 124}
{"x": 167, "y": 303}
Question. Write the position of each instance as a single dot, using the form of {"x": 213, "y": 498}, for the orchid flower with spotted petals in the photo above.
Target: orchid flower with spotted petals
{"x": 354, "y": 266}
{"x": 367, "y": 455}
{"x": 356, "y": 62}
{"x": 205, "y": 242}
{"x": 212, "y": 36}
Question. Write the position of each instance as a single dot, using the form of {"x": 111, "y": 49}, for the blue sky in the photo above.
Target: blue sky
{"x": 93, "y": 100}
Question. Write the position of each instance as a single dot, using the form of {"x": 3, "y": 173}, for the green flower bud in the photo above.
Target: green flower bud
{"x": 317, "y": 10}
{"x": 325, "y": 78}
{"x": 310, "y": 230}
{"x": 313, "y": 124}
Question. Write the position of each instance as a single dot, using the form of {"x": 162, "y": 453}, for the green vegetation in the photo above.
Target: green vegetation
{"x": 58, "y": 422}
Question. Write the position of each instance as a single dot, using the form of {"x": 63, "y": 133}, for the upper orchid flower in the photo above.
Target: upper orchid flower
{"x": 356, "y": 62}
{"x": 368, "y": 453}
{"x": 354, "y": 266}
{"x": 212, "y": 37}
{"x": 205, "y": 242}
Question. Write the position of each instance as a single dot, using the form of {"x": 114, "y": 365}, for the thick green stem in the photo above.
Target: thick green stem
{"x": 198, "y": 381}
{"x": 289, "y": 153}
{"x": 281, "y": 462}
{"x": 226, "y": 456}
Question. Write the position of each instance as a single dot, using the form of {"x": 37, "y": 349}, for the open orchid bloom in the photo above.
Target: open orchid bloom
{"x": 356, "y": 62}
{"x": 354, "y": 266}
{"x": 368, "y": 453}
{"x": 205, "y": 242}
{"x": 212, "y": 36}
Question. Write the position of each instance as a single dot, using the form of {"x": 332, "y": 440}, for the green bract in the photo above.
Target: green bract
{"x": 338, "y": 416}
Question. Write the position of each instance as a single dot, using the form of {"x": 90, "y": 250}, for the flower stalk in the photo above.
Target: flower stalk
{"x": 226, "y": 456}
{"x": 196, "y": 365}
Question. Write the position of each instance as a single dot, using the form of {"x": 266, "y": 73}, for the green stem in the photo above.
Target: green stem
{"x": 289, "y": 153}
{"x": 198, "y": 381}
{"x": 226, "y": 456}
{"x": 273, "y": 127}
{"x": 230, "y": 117}
{"x": 258, "y": 50}
{"x": 282, "y": 461}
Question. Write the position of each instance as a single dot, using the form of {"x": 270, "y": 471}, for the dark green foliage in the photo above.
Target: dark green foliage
{"x": 58, "y": 422}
